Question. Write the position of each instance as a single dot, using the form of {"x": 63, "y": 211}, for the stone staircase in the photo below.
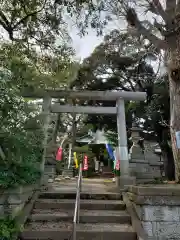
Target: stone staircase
{"x": 102, "y": 217}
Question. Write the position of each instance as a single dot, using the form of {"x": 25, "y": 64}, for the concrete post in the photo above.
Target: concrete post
{"x": 125, "y": 178}
{"x": 48, "y": 171}
{"x": 46, "y": 120}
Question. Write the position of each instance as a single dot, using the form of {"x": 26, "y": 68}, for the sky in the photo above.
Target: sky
{"x": 84, "y": 46}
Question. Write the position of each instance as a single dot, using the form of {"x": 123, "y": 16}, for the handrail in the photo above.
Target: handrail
{"x": 77, "y": 203}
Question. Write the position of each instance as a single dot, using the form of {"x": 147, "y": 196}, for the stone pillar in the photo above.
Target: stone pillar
{"x": 46, "y": 120}
{"x": 139, "y": 167}
{"x": 47, "y": 166}
{"x": 125, "y": 178}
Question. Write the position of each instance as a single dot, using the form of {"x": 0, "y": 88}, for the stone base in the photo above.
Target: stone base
{"x": 67, "y": 173}
{"x": 127, "y": 180}
{"x": 158, "y": 208}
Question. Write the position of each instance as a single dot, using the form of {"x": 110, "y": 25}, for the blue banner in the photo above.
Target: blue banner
{"x": 110, "y": 151}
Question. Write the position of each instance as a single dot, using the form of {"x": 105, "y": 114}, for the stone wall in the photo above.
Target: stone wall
{"x": 158, "y": 209}
{"x": 145, "y": 166}
{"x": 12, "y": 201}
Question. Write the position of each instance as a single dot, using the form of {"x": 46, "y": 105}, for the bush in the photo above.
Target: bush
{"x": 22, "y": 147}
{"x": 8, "y": 227}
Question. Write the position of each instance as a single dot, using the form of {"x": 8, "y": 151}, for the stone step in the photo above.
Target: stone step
{"x": 63, "y": 230}
{"x": 84, "y": 204}
{"x": 86, "y": 216}
{"x": 84, "y": 195}
{"x": 67, "y": 172}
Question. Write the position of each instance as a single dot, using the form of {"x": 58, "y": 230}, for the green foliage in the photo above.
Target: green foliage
{"x": 116, "y": 64}
{"x": 38, "y": 55}
{"x": 112, "y": 138}
{"x": 34, "y": 22}
{"x": 22, "y": 147}
{"x": 27, "y": 67}
{"x": 8, "y": 227}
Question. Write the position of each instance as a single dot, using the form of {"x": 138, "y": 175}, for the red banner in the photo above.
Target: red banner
{"x": 85, "y": 164}
{"x": 118, "y": 165}
{"x": 59, "y": 154}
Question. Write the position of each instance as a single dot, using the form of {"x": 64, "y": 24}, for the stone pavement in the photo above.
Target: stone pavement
{"x": 88, "y": 185}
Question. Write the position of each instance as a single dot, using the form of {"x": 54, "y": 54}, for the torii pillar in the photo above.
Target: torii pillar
{"x": 125, "y": 178}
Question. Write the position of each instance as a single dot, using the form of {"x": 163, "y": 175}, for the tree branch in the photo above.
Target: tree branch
{"x": 4, "y": 18}
{"x": 178, "y": 7}
{"x": 23, "y": 20}
{"x": 159, "y": 27}
{"x": 159, "y": 9}
{"x": 6, "y": 25}
{"x": 157, "y": 42}
{"x": 133, "y": 21}
{"x": 170, "y": 7}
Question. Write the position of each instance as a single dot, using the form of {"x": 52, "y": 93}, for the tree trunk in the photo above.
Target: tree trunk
{"x": 173, "y": 64}
{"x": 168, "y": 163}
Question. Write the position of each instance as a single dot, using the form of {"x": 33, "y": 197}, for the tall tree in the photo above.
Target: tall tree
{"x": 38, "y": 22}
{"x": 115, "y": 65}
{"x": 158, "y": 22}
{"x": 168, "y": 28}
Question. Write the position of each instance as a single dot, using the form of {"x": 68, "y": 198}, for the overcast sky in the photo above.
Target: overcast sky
{"x": 84, "y": 46}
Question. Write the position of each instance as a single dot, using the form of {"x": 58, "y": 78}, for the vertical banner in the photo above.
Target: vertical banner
{"x": 115, "y": 159}
{"x": 59, "y": 154}
{"x": 85, "y": 165}
{"x": 70, "y": 155}
{"x": 75, "y": 160}
{"x": 117, "y": 166}
{"x": 110, "y": 151}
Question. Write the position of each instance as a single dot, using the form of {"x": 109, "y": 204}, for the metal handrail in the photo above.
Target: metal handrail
{"x": 77, "y": 203}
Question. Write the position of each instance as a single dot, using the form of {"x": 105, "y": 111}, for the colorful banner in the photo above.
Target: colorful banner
{"x": 117, "y": 159}
{"x": 75, "y": 160}
{"x": 70, "y": 155}
{"x": 118, "y": 165}
{"x": 85, "y": 164}
{"x": 110, "y": 151}
{"x": 59, "y": 154}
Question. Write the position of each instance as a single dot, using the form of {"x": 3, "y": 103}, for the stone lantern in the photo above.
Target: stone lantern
{"x": 136, "y": 151}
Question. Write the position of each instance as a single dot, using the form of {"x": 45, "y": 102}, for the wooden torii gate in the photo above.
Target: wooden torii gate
{"x": 119, "y": 110}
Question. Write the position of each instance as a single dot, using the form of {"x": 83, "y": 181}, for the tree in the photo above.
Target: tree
{"x": 21, "y": 145}
{"x": 115, "y": 64}
{"x": 35, "y": 22}
{"x": 169, "y": 42}
{"x": 162, "y": 31}
{"x": 120, "y": 62}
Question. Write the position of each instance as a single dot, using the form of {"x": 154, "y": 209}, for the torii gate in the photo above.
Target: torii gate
{"x": 119, "y": 110}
